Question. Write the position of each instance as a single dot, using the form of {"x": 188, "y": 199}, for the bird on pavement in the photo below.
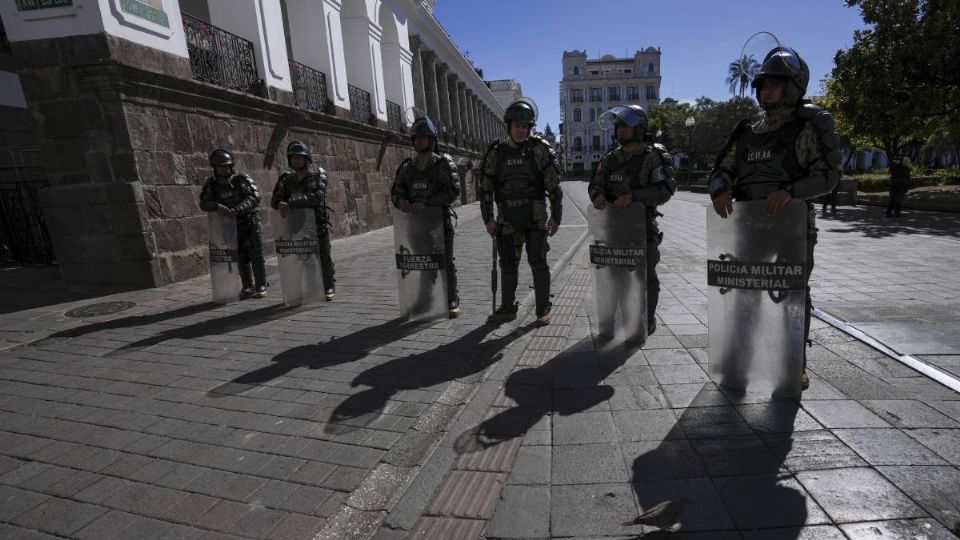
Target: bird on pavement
{"x": 664, "y": 515}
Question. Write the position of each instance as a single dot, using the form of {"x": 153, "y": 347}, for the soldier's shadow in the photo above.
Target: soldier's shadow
{"x": 325, "y": 354}
{"x": 465, "y": 356}
{"x": 568, "y": 383}
{"x": 136, "y": 320}
{"x": 729, "y": 461}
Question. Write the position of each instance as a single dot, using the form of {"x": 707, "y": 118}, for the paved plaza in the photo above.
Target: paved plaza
{"x": 178, "y": 418}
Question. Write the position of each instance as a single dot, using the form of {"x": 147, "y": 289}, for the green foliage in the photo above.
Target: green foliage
{"x": 899, "y": 83}
{"x": 740, "y": 73}
{"x": 713, "y": 123}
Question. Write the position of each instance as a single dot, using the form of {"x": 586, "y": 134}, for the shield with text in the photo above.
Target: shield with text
{"x": 421, "y": 264}
{"x": 756, "y": 273}
{"x": 619, "y": 260}
{"x": 224, "y": 259}
{"x": 298, "y": 258}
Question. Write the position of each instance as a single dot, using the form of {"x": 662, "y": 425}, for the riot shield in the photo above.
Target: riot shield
{"x": 298, "y": 258}
{"x": 421, "y": 264}
{"x": 619, "y": 259}
{"x": 756, "y": 273}
{"x": 224, "y": 259}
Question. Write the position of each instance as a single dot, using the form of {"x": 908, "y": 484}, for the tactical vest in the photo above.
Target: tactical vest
{"x": 623, "y": 177}
{"x": 421, "y": 185}
{"x": 766, "y": 161}
{"x": 229, "y": 193}
{"x": 518, "y": 176}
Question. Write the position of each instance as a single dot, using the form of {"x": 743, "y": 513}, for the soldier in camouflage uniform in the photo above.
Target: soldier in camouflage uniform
{"x": 236, "y": 196}
{"x": 430, "y": 179}
{"x": 520, "y": 175}
{"x": 306, "y": 187}
{"x": 793, "y": 151}
{"x": 636, "y": 172}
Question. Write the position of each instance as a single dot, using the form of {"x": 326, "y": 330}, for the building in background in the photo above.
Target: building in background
{"x": 506, "y": 90}
{"x": 110, "y": 109}
{"x": 592, "y": 86}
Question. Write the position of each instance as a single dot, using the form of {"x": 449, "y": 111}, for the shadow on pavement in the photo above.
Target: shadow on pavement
{"x": 871, "y": 222}
{"x": 37, "y": 286}
{"x": 539, "y": 392}
{"x": 330, "y": 353}
{"x": 136, "y": 320}
{"x": 728, "y": 461}
{"x": 464, "y": 356}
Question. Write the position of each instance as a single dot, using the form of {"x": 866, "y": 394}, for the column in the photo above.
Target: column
{"x": 361, "y": 39}
{"x": 419, "y": 92}
{"x": 260, "y": 22}
{"x": 443, "y": 95}
{"x": 431, "y": 91}
{"x": 316, "y": 38}
{"x": 456, "y": 121}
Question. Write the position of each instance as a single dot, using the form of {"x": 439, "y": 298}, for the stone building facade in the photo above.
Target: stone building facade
{"x": 592, "y": 86}
{"x": 125, "y": 99}
{"x": 506, "y": 90}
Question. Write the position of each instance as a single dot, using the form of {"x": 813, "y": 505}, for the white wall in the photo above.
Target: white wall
{"x": 11, "y": 92}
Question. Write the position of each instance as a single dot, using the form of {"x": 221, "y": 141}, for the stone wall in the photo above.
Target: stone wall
{"x": 127, "y": 133}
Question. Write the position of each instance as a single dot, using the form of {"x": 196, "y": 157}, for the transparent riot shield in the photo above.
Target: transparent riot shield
{"x": 224, "y": 259}
{"x": 298, "y": 258}
{"x": 619, "y": 260}
{"x": 756, "y": 276}
{"x": 421, "y": 264}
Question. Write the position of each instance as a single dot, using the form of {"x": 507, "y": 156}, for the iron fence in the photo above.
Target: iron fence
{"x": 23, "y": 231}
{"x": 219, "y": 57}
{"x": 394, "y": 117}
{"x": 309, "y": 88}
{"x": 360, "y": 108}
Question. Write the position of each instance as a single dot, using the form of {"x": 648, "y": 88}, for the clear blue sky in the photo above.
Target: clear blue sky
{"x": 525, "y": 39}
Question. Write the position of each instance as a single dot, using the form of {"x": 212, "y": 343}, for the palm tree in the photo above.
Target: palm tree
{"x": 740, "y": 73}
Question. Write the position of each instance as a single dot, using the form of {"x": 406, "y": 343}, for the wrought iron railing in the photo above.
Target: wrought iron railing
{"x": 394, "y": 117}
{"x": 219, "y": 57}
{"x": 23, "y": 231}
{"x": 360, "y": 108}
{"x": 309, "y": 88}
{"x": 4, "y": 43}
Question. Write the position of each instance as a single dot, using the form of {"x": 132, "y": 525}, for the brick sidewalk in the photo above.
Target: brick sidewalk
{"x": 336, "y": 421}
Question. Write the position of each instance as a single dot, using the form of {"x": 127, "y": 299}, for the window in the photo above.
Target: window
{"x": 577, "y": 117}
{"x": 595, "y": 144}
{"x": 613, "y": 93}
{"x": 576, "y": 95}
{"x": 628, "y": 71}
{"x": 596, "y": 94}
{"x": 651, "y": 93}
{"x": 593, "y": 114}
{"x": 577, "y": 144}
{"x": 576, "y": 70}
{"x": 633, "y": 92}
{"x": 650, "y": 68}
{"x": 595, "y": 72}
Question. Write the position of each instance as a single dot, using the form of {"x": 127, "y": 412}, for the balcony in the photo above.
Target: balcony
{"x": 576, "y": 99}
{"x": 394, "y": 117}
{"x": 219, "y": 57}
{"x": 309, "y": 88}
{"x": 360, "y": 108}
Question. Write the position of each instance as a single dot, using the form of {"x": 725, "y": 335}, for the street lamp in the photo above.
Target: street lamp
{"x": 689, "y": 123}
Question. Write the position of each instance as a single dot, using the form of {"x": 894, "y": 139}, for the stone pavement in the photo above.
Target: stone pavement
{"x": 191, "y": 420}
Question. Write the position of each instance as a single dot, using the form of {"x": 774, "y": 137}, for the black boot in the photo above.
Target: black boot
{"x": 259, "y": 278}
{"x": 246, "y": 280}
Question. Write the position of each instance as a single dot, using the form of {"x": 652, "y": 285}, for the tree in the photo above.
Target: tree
{"x": 741, "y": 72}
{"x": 898, "y": 84}
{"x": 713, "y": 123}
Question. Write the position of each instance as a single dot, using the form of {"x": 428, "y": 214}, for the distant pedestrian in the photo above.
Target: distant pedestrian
{"x": 899, "y": 184}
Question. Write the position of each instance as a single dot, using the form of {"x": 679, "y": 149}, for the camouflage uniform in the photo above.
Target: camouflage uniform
{"x": 433, "y": 183}
{"x": 646, "y": 174}
{"x": 309, "y": 192}
{"x": 521, "y": 181}
{"x": 239, "y": 193}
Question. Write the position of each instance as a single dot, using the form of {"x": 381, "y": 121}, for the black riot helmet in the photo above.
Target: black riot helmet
{"x": 522, "y": 110}
{"x": 631, "y": 115}
{"x": 784, "y": 63}
{"x": 423, "y": 126}
{"x": 220, "y": 157}
{"x": 297, "y": 148}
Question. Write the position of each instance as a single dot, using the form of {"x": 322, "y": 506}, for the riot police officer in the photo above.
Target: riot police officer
{"x": 636, "y": 172}
{"x": 520, "y": 175}
{"x": 899, "y": 184}
{"x": 236, "y": 196}
{"x": 793, "y": 151}
{"x": 306, "y": 187}
{"x": 430, "y": 179}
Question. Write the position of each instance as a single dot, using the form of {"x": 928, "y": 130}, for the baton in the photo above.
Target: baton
{"x": 493, "y": 275}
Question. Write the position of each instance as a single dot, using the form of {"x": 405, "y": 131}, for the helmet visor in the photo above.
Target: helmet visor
{"x": 528, "y": 101}
{"x": 620, "y": 113}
